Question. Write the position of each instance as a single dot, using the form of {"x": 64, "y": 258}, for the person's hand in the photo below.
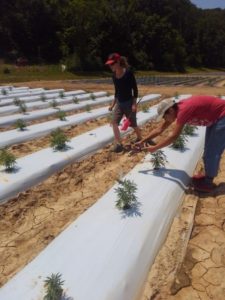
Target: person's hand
{"x": 110, "y": 108}
{"x": 138, "y": 145}
{"x": 152, "y": 149}
{"x": 134, "y": 107}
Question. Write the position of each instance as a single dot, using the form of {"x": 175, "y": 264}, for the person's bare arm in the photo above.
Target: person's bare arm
{"x": 167, "y": 141}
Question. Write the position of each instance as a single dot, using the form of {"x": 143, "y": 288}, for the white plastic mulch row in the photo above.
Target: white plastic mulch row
{"x": 54, "y": 95}
{"x": 16, "y": 136}
{"x": 24, "y": 93}
{"x": 106, "y": 253}
{"x": 28, "y": 93}
{"x": 10, "y": 109}
{"x": 36, "y": 167}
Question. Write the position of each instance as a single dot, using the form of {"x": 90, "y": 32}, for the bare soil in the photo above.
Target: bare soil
{"x": 34, "y": 218}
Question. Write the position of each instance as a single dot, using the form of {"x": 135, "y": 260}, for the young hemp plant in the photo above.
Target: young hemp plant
{"x": 22, "y": 107}
{"x": 189, "y": 130}
{"x": 75, "y": 100}
{"x": 43, "y": 97}
{"x": 87, "y": 108}
{"x": 53, "y": 285}
{"x": 16, "y": 101}
{"x": 20, "y": 124}
{"x": 145, "y": 108}
{"x": 61, "y": 94}
{"x": 59, "y": 140}
{"x": 53, "y": 103}
{"x": 126, "y": 194}
{"x": 158, "y": 159}
{"x": 180, "y": 142}
{"x": 7, "y": 159}
{"x": 92, "y": 96}
{"x": 61, "y": 115}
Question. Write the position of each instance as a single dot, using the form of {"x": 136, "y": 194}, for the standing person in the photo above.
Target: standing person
{"x": 206, "y": 111}
{"x": 126, "y": 93}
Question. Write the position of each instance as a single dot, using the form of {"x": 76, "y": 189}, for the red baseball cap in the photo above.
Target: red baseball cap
{"x": 113, "y": 58}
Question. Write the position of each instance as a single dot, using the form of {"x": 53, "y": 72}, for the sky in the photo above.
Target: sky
{"x": 209, "y": 3}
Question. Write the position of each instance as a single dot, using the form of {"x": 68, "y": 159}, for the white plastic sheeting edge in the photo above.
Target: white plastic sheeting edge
{"x": 4, "y": 110}
{"x": 105, "y": 253}
{"x": 29, "y": 92}
{"x": 11, "y": 137}
{"x": 7, "y": 120}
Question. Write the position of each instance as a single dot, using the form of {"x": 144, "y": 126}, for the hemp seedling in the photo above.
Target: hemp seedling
{"x": 87, "y": 108}
{"x": 53, "y": 285}
{"x": 93, "y": 97}
{"x": 75, "y": 100}
{"x": 22, "y": 107}
{"x": 61, "y": 94}
{"x": 145, "y": 108}
{"x": 61, "y": 115}
{"x": 180, "y": 142}
{"x": 189, "y": 130}
{"x": 7, "y": 159}
{"x": 54, "y": 103}
{"x": 16, "y": 101}
{"x": 126, "y": 194}
{"x": 4, "y": 92}
{"x": 20, "y": 124}
{"x": 58, "y": 139}
{"x": 43, "y": 97}
{"x": 158, "y": 159}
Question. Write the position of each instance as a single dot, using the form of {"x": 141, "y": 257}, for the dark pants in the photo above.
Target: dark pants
{"x": 124, "y": 108}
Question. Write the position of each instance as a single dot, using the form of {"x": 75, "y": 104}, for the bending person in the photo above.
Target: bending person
{"x": 206, "y": 111}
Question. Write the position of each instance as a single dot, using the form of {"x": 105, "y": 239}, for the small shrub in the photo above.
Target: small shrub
{"x": 87, "y": 108}
{"x": 43, "y": 97}
{"x": 22, "y": 107}
{"x": 53, "y": 286}
{"x": 54, "y": 103}
{"x": 176, "y": 95}
{"x": 16, "y": 101}
{"x": 126, "y": 194}
{"x": 158, "y": 159}
{"x": 61, "y": 115}
{"x": 58, "y": 139}
{"x": 189, "y": 130}
{"x": 20, "y": 124}
{"x": 61, "y": 94}
{"x": 7, "y": 159}
{"x": 4, "y": 92}
{"x": 180, "y": 142}
{"x": 75, "y": 100}
{"x": 145, "y": 108}
{"x": 93, "y": 97}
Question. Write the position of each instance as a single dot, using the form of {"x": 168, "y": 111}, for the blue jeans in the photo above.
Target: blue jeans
{"x": 214, "y": 147}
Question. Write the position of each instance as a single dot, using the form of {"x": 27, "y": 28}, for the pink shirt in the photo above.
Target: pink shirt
{"x": 200, "y": 110}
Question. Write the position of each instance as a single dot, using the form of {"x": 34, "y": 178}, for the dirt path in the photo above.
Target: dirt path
{"x": 30, "y": 221}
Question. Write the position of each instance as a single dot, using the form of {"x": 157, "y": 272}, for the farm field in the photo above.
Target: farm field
{"x": 31, "y": 221}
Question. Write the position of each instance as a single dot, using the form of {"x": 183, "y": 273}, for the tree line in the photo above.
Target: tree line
{"x": 166, "y": 35}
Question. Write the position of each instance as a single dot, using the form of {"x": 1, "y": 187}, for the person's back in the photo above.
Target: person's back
{"x": 200, "y": 110}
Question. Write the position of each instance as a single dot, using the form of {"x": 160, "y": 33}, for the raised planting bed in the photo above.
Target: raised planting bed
{"x": 106, "y": 253}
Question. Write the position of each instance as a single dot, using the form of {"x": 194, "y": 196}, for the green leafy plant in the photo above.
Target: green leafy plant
{"x": 145, "y": 108}
{"x": 61, "y": 94}
{"x": 88, "y": 108}
{"x": 189, "y": 130}
{"x": 4, "y": 92}
{"x": 176, "y": 95}
{"x": 54, "y": 103}
{"x": 53, "y": 285}
{"x": 126, "y": 194}
{"x": 7, "y": 159}
{"x": 43, "y": 97}
{"x": 58, "y": 139}
{"x": 22, "y": 107}
{"x": 75, "y": 100}
{"x": 93, "y": 97}
{"x": 16, "y": 101}
{"x": 180, "y": 142}
{"x": 20, "y": 124}
{"x": 61, "y": 115}
{"x": 158, "y": 159}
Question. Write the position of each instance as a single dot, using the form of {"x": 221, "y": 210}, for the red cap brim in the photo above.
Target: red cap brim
{"x": 110, "y": 62}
